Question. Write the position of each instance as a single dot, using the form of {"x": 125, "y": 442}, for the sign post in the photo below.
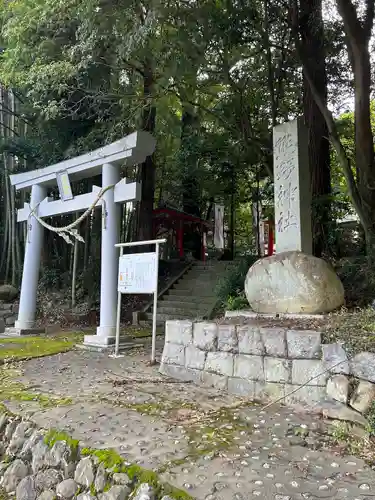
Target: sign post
{"x": 138, "y": 273}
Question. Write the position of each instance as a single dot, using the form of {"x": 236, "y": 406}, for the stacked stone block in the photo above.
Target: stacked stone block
{"x": 8, "y": 315}
{"x": 250, "y": 361}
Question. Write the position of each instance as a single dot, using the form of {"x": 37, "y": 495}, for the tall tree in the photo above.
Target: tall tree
{"x": 312, "y": 46}
{"x": 357, "y": 25}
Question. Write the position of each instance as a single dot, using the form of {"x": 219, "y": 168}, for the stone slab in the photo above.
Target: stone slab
{"x": 205, "y": 336}
{"x": 338, "y": 388}
{"x": 363, "y": 397}
{"x": 179, "y": 332}
{"x": 335, "y": 358}
{"x": 303, "y": 370}
{"x": 173, "y": 354}
{"x": 194, "y": 357}
{"x": 277, "y": 370}
{"x": 220, "y": 363}
{"x": 250, "y": 340}
{"x": 363, "y": 366}
{"x": 227, "y": 338}
{"x": 249, "y": 367}
{"x": 274, "y": 341}
{"x": 303, "y": 344}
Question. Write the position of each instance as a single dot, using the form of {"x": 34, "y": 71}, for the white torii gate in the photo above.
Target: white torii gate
{"x": 132, "y": 150}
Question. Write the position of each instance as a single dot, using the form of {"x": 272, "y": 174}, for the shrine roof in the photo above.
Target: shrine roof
{"x": 172, "y": 213}
{"x": 133, "y": 149}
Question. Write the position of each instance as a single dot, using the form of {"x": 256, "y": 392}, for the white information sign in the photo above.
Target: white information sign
{"x": 138, "y": 273}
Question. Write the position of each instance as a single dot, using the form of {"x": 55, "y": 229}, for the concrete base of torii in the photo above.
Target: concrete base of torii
{"x": 20, "y": 332}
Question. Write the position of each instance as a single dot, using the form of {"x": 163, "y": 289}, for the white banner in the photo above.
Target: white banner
{"x": 219, "y": 227}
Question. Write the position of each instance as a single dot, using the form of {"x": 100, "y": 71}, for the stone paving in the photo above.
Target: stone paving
{"x": 213, "y": 445}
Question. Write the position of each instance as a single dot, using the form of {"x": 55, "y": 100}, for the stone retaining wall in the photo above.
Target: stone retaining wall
{"x": 8, "y": 315}
{"x": 267, "y": 363}
{"x": 45, "y": 465}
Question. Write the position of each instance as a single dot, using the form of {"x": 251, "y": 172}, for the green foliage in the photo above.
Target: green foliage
{"x": 237, "y": 302}
{"x": 358, "y": 278}
{"x": 231, "y": 285}
{"x": 371, "y": 419}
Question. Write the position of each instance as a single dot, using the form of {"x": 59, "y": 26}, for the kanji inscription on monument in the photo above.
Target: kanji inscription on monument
{"x": 292, "y": 187}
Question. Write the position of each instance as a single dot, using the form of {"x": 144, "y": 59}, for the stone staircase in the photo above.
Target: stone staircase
{"x": 193, "y": 296}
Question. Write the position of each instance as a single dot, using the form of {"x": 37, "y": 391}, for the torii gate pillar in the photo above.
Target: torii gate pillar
{"x": 31, "y": 266}
{"x": 109, "y": 257}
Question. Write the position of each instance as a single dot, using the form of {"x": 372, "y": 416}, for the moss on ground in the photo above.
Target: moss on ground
{"x": 21, "y": 348}
{"x": 13, "y": 390}
{"x": 53, "y": 436}
{"x": 109, "y": 458}
{"x": 137, "y": 474}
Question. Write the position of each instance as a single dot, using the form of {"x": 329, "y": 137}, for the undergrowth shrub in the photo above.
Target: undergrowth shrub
{"x": 358, "y": 278}
{"x": 230, "y": 288}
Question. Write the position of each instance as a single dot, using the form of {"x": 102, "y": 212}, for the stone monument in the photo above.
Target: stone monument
{"x": 292, "y": 187}
{"x": 293, "y": 280}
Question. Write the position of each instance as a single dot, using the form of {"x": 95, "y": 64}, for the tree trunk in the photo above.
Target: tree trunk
{"x": 362, "y": 188}
{"x": 358, "y": 33}
{"x": 188, "y": 162}
{"x": 147, "y": 171}
{"x": 312, "y": 46}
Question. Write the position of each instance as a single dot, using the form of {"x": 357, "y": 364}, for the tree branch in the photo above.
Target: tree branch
{"x": 331, "y": 125}
{"x": 369, "y": 18}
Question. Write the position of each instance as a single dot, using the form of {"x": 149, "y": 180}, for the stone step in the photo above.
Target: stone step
{"x": 204, "y": 292}
{"x": 182, "y": 311}
{"x": 195, "y": 284}
{"x": 179, "y": 297}
{"x": 186, "y": 304}
{"x": 197, "y": 272}
{"x": 201, "y": 277}
{"x": 217, "y": 265}
{"x": 162, "y": 318}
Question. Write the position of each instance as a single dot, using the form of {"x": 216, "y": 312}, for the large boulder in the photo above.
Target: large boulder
{"x": 8, "y": 292}
{"x": 293, "y": 282}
